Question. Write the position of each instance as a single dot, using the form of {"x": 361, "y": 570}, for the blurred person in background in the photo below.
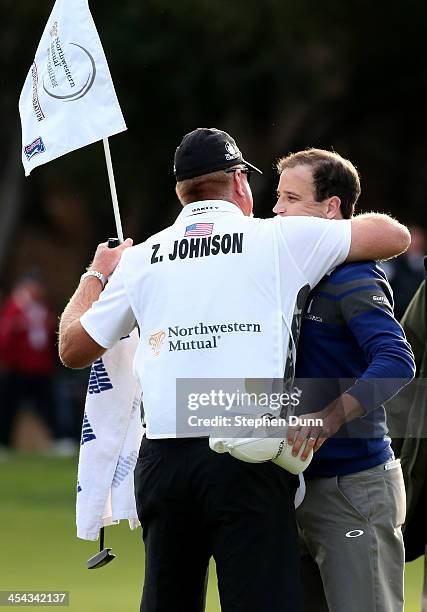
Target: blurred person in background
{"x": 406, "y": 272}
{"x": 413, "y": 448}
{"x": 27, "y": 354}
{"x": 350, "y": 520}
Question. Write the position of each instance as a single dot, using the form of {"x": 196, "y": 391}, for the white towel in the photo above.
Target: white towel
{"x": 300, "y": 492}
{"x": 111, "y": 436}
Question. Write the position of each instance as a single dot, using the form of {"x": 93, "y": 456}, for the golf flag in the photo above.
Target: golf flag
{"x": 68, "y": 100}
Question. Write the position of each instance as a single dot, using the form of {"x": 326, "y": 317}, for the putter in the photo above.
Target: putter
{"x": 104, "y": 556}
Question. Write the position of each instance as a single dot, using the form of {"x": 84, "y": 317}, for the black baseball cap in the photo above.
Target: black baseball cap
{"x": 207, "y": 150}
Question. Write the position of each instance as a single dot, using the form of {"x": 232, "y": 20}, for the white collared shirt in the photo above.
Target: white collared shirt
{"x": 215, "y": 296}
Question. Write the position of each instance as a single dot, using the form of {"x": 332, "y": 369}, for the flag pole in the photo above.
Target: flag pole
{"x": 113, "y": 189}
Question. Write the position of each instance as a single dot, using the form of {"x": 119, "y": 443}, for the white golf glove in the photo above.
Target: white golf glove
{"x": 259, "y": 450}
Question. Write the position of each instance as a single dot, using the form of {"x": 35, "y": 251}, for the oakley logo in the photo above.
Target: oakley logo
{"x": 354, "y": 533}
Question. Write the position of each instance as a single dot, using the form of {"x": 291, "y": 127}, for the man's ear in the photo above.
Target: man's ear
{"x": 238, "y": 186}
{"x": 333, "y": 210}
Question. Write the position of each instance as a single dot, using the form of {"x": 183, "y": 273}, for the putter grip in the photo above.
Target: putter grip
{"x": 113, "y": 243}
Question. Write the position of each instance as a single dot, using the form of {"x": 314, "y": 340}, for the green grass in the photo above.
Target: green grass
{"x": 40, "y": 551}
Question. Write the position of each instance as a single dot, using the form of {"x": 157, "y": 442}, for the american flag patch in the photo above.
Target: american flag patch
{"x": 199, "y": 229}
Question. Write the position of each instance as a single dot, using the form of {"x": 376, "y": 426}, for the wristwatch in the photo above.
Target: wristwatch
{"x": 101, "y": 277}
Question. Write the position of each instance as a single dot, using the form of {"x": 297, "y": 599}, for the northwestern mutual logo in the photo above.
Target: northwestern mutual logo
{"x": 199, "y": 336}
{"x": 99, "y": 380}
{"x": 70, "y": 69}
{"x": 156, "y": 341}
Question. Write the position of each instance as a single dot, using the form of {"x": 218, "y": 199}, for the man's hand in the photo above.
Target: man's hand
{"x": 312, "y": 436}
{"x": 76, "y": 348}
{"x": 330, "y": 419}
{"x": 106, "y": 260}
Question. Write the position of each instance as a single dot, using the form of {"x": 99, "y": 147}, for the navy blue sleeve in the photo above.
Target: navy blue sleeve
{"x": 368, "y": 312}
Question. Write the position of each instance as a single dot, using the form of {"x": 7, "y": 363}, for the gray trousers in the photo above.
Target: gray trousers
{"x": 424, "y": 593}
{"x": 351, "y": 541}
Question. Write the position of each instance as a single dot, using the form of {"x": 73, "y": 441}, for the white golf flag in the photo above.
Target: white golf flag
{"x": 68, "y": 100}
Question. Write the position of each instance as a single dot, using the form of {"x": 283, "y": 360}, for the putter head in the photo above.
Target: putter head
{"x": 100, "y": 559}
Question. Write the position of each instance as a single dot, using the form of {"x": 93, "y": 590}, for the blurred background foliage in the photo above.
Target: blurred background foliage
{"x": 280, "y": 76}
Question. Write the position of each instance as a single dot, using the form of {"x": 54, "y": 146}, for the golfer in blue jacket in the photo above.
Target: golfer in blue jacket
{"x": 353, "y": 351}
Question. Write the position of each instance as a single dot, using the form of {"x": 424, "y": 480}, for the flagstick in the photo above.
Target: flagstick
{"x": 113, "y": 189}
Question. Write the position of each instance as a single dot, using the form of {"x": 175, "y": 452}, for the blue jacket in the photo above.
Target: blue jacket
{"x": 352, "y": 342}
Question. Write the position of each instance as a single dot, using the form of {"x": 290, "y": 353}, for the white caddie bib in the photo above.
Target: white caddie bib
{"x": 215, "y": 296}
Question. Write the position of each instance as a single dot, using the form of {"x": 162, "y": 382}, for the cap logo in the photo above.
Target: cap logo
{"x": 232, "y": 151}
